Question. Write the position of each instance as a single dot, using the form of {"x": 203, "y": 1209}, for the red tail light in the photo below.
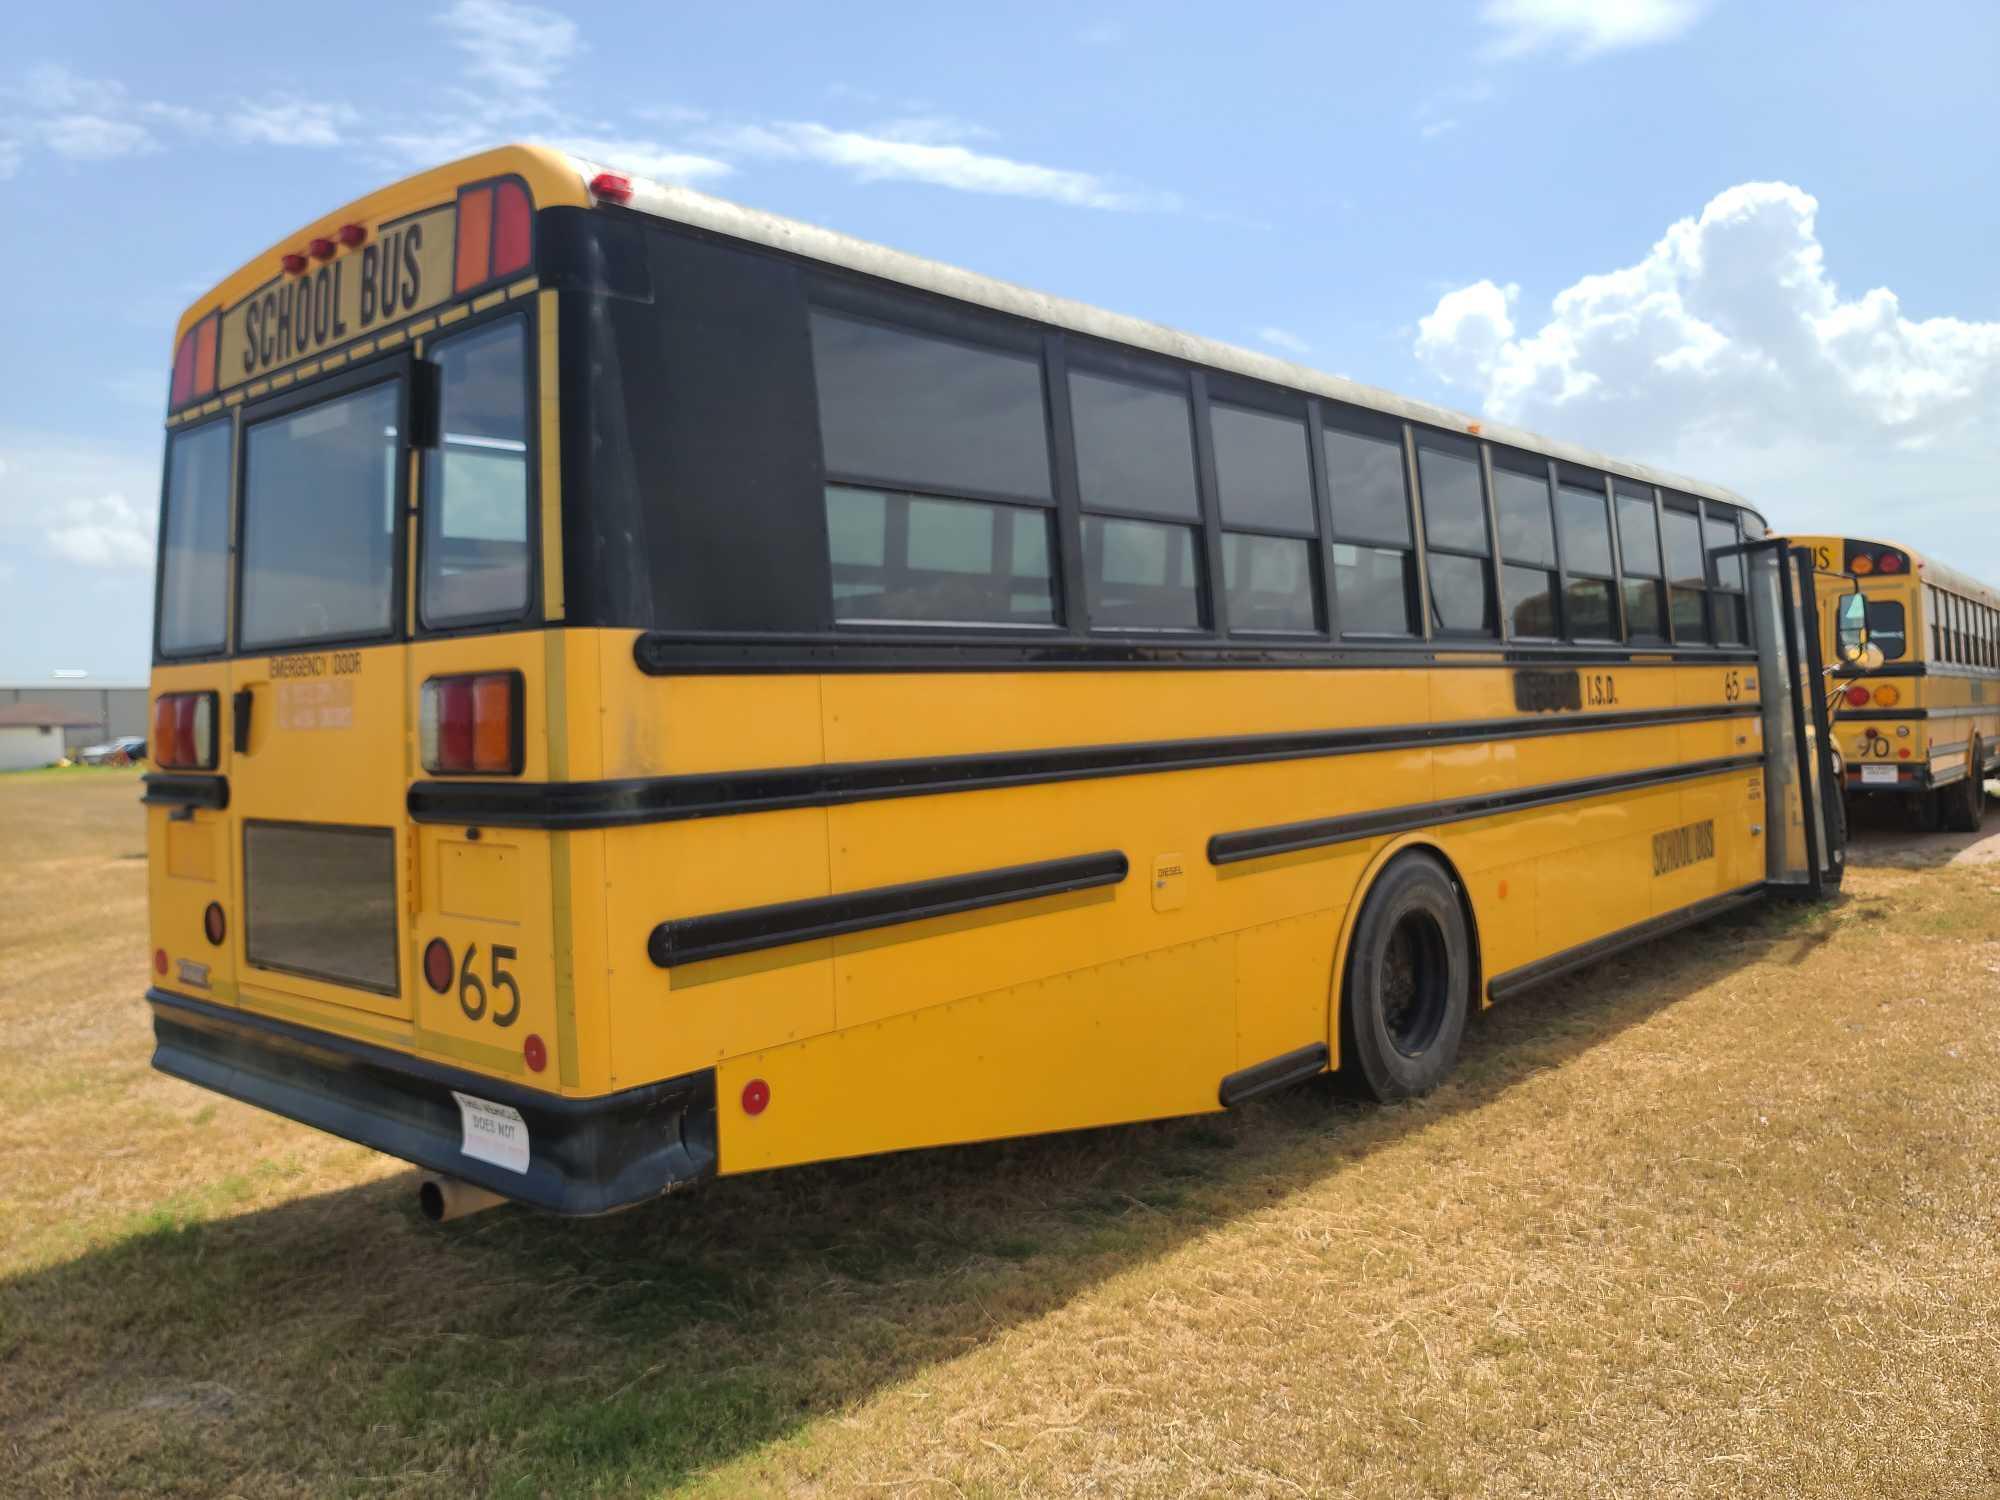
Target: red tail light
{"x": 612, "y": 187}
{"x": 1889, "y": 562}
{"x": 194, "y": 362}
{"x": 1857, "y": 696}
{"x": 471, "y": 725}
{"x": 513, "y": 229}
{"x": 183, "y": 732}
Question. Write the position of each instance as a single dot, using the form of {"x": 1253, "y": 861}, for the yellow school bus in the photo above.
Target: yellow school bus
{"x": 1924, "y": 726}
{"x": 646, "y": 689}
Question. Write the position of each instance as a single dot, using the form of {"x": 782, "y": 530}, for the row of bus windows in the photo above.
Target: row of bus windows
{"x": 941, "y": 509}
{"x": 1962, "y": 632}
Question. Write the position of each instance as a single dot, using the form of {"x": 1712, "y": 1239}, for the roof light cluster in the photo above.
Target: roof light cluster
{"x": 1864, "y": 559}
{"x": 323, "y": 248}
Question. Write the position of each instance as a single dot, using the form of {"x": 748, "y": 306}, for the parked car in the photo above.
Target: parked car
{"x": 119, "y": 752}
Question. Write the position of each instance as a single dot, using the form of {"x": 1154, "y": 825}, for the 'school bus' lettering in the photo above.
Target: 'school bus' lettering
{"x": 900, "y": 729}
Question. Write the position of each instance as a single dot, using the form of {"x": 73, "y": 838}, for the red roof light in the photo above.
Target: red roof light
{"x": 322, "y": 249}
{"x": 612, "y": 187}
{"x": 294, "y": 264}
{"x": 352, "y": 235}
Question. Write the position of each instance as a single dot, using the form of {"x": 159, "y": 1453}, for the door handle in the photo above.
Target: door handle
{"x": 240, "y": 712}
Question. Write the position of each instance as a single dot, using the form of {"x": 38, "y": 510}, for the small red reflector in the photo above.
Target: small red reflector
{"x": 437, "y": 965}
{"x": 322, "y": 249}
{"x": 756, "y": 1095}
{"x": 535, "y": 1053}
{"x": 294, "y": 264}
{"x": 612, "y": 187}
{"x": 159, "y": 960}
{"x": 1857, "y": 696}
{"x": 212, "y": 924}
{"x": 352, "y": 235}
{"x": 1904, "y": 753}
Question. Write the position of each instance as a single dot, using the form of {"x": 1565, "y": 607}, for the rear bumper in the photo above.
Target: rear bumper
{"x": 586, "y": 1156}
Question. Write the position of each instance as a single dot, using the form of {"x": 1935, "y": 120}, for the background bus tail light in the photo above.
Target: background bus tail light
{"x": 1857, "y": 696}
{"x": 1887, "y": 696}
{"x": 471, "y": 725}
{"x": 183, "y": 732}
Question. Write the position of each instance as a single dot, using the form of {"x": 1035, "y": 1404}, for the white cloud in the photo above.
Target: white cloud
{"x": 1285, "y": 339}
{"x": 647, "y": 158}
{"x": 289, "y": 122}
{"x": 96, "y": 137}
{"x": 930, "y": 151}
{"x": 1730, "y": 352}
{"x": 103, "y": 531}
{"x": 1585, "y": 28}
{"x": 522, "y": 47}
{"x": 70, "y": 499}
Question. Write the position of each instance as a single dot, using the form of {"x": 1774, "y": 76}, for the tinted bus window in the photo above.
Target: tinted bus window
{"x": 912, "y": 411}
{"x": 1262, "y": 470}
{"x": 905, "y": 558}
{"x": 1687, "y": 572}
{"x": 194, "y": 586}
{"x": 1528, "y": 550}
{"x": 1141, "y": 575}
{"x": 1886, "y": 628}
{"x": 319, "y": 523}
{"x": 1269, "y": 583}
{"x": 1371, "y": 503}
{"x": 1134, "y": 447}
{"x": 476, "y": 480}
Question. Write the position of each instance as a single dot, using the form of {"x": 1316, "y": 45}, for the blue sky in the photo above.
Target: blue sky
{"x": 1752, "y": 242}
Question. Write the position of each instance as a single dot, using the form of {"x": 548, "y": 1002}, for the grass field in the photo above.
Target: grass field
{"x": 1720, "y": 1217}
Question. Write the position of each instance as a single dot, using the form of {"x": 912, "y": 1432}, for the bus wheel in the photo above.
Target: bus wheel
{"x": 1409, "y": 983}
{"x": 1963, "y": 803}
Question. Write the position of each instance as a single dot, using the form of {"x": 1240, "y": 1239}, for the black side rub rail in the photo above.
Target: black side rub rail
{"x": 1515, "y": 981}
{"x": 1316, "y": 833}
{"x": 688, "y": 940}
{"x": 669, "y": 799}
{"x": 1272, "y": 1074}
{"x": 186, "y": 791}
{"x": 585, "y": 1156}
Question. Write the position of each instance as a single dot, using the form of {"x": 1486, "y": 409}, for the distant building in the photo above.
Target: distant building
{"x": 92, "y": 712}
{"x": 31, "y": 734}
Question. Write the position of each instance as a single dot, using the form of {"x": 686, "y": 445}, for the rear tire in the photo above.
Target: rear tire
{"x": 1963, "y": 803}
{"x": 1409, "y": 983}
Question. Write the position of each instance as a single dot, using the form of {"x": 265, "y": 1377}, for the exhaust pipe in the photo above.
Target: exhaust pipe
{"x": 442, "y": 1199}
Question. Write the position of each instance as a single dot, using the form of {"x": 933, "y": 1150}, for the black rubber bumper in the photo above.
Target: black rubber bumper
{"x": 586, "y": 1156}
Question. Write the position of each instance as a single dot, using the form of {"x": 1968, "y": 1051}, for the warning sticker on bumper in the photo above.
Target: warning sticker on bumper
{"x": 493, "y": 1133}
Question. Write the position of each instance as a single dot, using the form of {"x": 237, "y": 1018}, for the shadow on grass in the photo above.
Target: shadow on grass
{"x": 515, "y": 1354}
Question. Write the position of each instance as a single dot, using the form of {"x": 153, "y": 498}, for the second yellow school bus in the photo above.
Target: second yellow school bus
{"x": 1924, "y": 727}
{"x": 645, "y": 689}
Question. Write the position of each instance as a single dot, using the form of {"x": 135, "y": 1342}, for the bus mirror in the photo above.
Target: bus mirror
{"x": 1851, "y": 620}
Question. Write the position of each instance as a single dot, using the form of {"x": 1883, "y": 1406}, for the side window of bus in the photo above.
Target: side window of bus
{"x": 1590, "y": 597}
{"x": 1374, "y": 558}
{"x": 1142, "y": 510}
{"x": 1732, "y": 609}
{"x": 1527, "y": 545}
{"x": 939, "y": 507}
{"x": 1455, "y": 536}
{"x": 194, "y": 591}
{"x": 1263, "y": 467}
{"x": 1886, "y": 627}
{"x": 1639, "y": 550}
{"x": 475, "y": 501}
{"x": 1687, "y": 572}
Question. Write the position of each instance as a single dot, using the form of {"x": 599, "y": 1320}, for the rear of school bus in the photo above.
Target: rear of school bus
{"x": 1912, "y": 727}
{"x": 361, "y": 582}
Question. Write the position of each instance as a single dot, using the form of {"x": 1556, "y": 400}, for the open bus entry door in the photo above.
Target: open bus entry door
{"x": 1806, "y": 843}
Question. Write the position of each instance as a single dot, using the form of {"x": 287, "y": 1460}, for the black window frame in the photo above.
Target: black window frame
{"x": 531, "y": 390}
{"x": 1623, "y": 490}
{"x": 1244, "y": 395}
{"x": 225, "y": 419}
{"x": 1368, "y": 425}
{"x": 1453, "y": 445}
{"x": 1115, "y": 363}
{"x": 397, "y": 367}
{"x": 970, "y": 328}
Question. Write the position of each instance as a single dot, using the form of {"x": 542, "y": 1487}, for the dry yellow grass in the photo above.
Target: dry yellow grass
{"x": 1716, "y": 1218}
